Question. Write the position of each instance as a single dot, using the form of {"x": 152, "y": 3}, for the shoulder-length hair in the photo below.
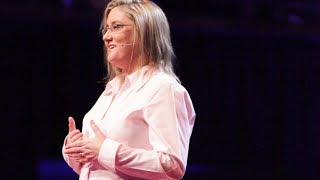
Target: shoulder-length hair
{"x": 153, "y": 32}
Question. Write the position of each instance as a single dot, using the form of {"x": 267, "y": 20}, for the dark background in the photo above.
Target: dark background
{"x": 251, "y": 68}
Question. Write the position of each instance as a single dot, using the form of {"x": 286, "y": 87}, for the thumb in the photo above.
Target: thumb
{"x": 96, "y": 129}
{"x": 72, "y": 124}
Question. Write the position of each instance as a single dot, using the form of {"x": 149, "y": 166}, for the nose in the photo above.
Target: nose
{"x": 107, "y": 37}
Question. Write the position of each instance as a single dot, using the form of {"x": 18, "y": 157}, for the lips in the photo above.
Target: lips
{"x": 111, "y": 46}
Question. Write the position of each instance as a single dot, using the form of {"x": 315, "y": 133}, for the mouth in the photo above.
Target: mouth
{"x": 111, "y": 47}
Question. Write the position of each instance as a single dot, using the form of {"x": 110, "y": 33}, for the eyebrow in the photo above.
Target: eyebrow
{"x": 114, "y": 22}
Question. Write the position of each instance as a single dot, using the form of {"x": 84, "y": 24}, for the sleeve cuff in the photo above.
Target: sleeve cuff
{"x": 107, "y": 155}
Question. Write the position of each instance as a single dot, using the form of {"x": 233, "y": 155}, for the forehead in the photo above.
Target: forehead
{"x": 117, "y": 14}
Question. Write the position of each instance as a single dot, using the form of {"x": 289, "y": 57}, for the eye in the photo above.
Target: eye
{"x": 117, "y": 26}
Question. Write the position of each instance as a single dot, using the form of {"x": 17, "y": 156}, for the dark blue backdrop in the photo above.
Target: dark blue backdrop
{"x": 255, "y": 87}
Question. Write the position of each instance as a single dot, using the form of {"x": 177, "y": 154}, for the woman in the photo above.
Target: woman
{"x": 141, "y": 125}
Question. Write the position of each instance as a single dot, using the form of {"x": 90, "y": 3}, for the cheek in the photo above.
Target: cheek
{"x": 120, "y": 56}
{"x": 120, "y": 52}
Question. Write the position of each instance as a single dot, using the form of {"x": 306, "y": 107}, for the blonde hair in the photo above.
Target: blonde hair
{"x": 153, "y": 32}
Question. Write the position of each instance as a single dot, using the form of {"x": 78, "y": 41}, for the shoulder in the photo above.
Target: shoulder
{"x": 168, "y": 92}
{"x": 164, "y": 85}
{"x": 163, "y": 80}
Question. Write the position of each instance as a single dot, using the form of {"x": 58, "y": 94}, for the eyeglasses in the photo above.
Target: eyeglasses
{"x": 115, "y": 28}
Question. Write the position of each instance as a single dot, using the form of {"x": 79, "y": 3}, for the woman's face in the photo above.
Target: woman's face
{"x": 119, "y": 40}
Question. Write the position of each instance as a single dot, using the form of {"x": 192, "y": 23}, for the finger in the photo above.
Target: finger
{"x": 72, "y": 134}
{"x": 76, "y": 137}
{"x": 72, "y": 124}
{"x": 79, "y": 159}
{"x": 96, "y": 129}
{"x": 71, "y": 149}
{"x": 74, "y": 152}
{"x": 76, "y": 144}
{"x": 77, "y": 156}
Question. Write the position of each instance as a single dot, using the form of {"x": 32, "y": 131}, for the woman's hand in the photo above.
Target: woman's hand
{"x": 74, "y": 135}
{"x": 88, "y": 149}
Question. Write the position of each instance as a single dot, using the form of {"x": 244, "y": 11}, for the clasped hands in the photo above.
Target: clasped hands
{"x": 81, "y": 149}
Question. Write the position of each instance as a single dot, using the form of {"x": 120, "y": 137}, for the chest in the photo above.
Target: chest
{"x": 121, "y": 117}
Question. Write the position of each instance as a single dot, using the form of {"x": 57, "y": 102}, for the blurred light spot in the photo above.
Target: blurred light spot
{"x": 295, "y": 19}
{"x": 67, "y": 3}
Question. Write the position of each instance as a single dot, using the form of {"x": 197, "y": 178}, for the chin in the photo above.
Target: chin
{"x": 110, "y": 60}
{"x": 114, "y": 63}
